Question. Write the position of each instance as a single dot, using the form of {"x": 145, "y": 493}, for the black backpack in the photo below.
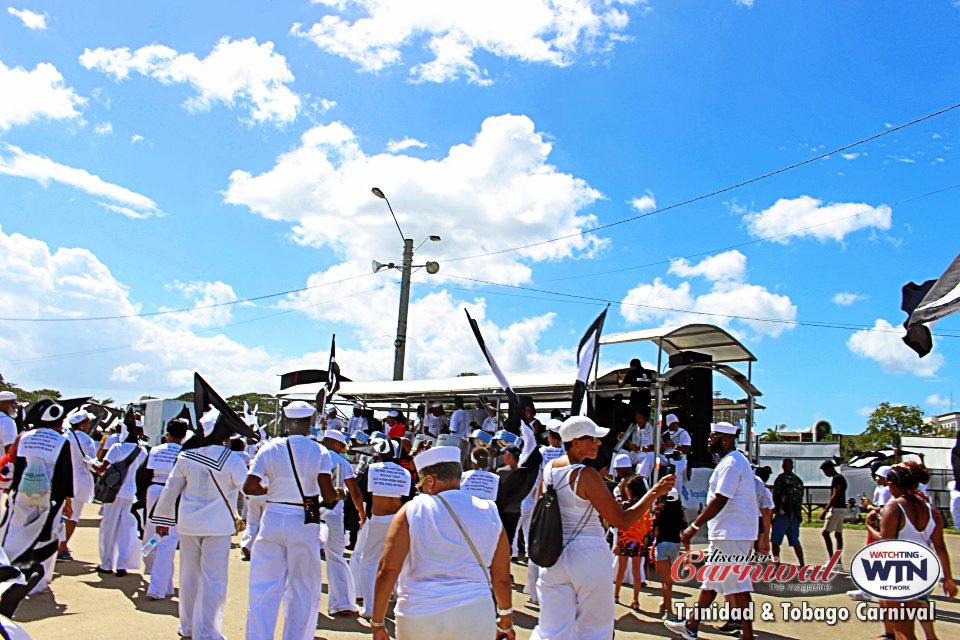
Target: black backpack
{"x": 108, "y": 485}
{"x": 546, "y": 528}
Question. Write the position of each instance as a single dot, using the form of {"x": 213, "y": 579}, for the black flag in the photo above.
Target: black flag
{"x": 930, "y": 301}
{"x": 586, "y": 356}
{"x": 513, "y": 399}
{"x": 205, "y": 397}
{"x": 332, "y": 384}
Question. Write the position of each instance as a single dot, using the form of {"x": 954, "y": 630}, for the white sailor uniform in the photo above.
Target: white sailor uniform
{"x": 287, "y": 563}
{"x": 159, "y": 564}
{"x": 119, "y": 548}
{"x": 83, "y": 453}
{"x": 205, "y": 524}
{"x": 341, "y": 591}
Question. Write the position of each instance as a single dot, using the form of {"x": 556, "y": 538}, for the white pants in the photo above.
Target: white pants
{"x": 204, "y": 563}
{"x": 119, "y": 548}
{"x": 955, "y": 512}
{"x": 646, "y": 466}
{"x": 475, "y": 619}
{"x": 77, "y": 507}
{"x": 160, "y": 560}
{"x": 255, "y": 505}
{"x": 341, "y": 591}
{"x": 364, "y": 563}
{"x": 153, "y": 494}
{"x": 533, "y": 571}
{"x": 286, "y": 566}
{"x": 576, "y": 594}
{"x": 523, "y": 524}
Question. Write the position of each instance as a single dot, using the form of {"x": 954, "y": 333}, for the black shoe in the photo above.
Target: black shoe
{"x": 121, "y": 573}
{"x": 730, "y": 628}
{"x": 102, "y": 570}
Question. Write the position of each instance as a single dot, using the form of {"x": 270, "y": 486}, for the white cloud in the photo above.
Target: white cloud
{"x": 745, "y": 3}
{"x": 128, "y": 357}
{"x": 883, "y": 345}
{"x": 729, "y": 295}
{"x": 644, "y": 203}
{"x": 726, "y": 266}
{"x": 236, "y": 73}
{"x": 939, "y": 402}
{"x": 209, "y": 303}
{"x": 808, "y": 217}
{"x": 30, "y": 19}
{"x": 136, "y": 138}
{"x": 850, "y": 156}
{"x": 128, "y": 372}
{"x": 453, "y": 33}
{"x": 103, "y": 129}
{"x": 846, "y": 299}
{"x": 493, "y": 193}
{"x": 17, "y": 162}
{"x": 26, "y": 96}
{"x": 866, "y": 412}
{"x": 395, "y": 146}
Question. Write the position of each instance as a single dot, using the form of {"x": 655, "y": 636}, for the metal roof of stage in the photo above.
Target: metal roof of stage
{"x": 702, "y": 338}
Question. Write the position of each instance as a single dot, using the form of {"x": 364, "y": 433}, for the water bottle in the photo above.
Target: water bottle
{"x": 150, "y": 545}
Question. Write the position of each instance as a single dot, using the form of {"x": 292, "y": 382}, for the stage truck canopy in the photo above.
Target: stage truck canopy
{"x": 702, "y": 338}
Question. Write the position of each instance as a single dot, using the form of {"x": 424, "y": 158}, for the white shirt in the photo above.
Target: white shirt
{"x": 8, "y": 430}
{"x": 342, "y": 471}
{"x": 440, "y": 571}
{"x": 118, "y": 453}
{"x": 272, "y": 465}
{"x": 83, "y": 450}
{"x": 482, "y": 484}
{"x": 734, "y": 479}
{"x": 357, "y": 424}
{"x": 202, "y": 510}
{"x": 336, "y": 424}
{"x": 881, "y": 495}
{"x": 764, "y": 495}
{"x": 161, "y": 460}
{"x": 460, "y": 423}
{"x": 491, "y": 424}
{"x": 435, "y": 424}
{"x": 111, "y": 440}
{"x": 680, "y": 438}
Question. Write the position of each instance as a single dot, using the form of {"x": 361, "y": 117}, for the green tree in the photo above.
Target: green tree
{"x": 889, "y": 422}
{"x": 770, "y": 435}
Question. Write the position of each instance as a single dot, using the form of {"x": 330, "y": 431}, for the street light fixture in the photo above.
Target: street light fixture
{"x": 400, "y": 344}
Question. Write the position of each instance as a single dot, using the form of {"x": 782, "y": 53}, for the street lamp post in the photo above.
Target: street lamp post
{"x": 400, "y": 344}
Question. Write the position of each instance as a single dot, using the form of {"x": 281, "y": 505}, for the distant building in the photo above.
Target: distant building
{"x": 945, "y": 423}
{"x": 732, "y": 411}
{"x": 818, "y": 432}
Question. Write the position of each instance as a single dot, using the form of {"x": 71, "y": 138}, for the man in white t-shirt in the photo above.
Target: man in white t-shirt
{"x": 732, "y": 516}
{"x": 8, "y": 428}
{"x": 286, "y": 563}
{"x": 358, "y": 422}
{"x": 460, "y": 420}
{"x": 334, "y": 423}
{"x": 676, "y": 448}
{"x": 341, "y": 590}
{"x": 435, "y": 422}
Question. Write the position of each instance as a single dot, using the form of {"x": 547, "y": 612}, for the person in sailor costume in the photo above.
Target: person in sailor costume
{"x": 293, "y": 472}
{"x": 341, "y": 591}
{"x": 40, "y": 491}
{"x": 199, "y": 499}
{"x": 119, "y": 536}
{"x": 159, "y": 562}
{"x": 358, "y": 422}
{"x": 254, "y": 504}
{"x": 83, "y": 453}
{"x": 389, "y": 484}
{"x": 333, "y": 422}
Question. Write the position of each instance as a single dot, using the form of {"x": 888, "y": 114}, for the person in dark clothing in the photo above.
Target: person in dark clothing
{"x": 509, "y": 508}
{"x": 638, "y": 380}
{"x": 669, "y": 522}
{"x": 836, "y": 509}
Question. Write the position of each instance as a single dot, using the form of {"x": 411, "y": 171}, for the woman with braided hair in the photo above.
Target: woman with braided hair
{"x": 909, "y": 516}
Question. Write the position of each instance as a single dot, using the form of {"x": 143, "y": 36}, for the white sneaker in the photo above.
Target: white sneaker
{"x": 679, "y": 627}
{"x": 856, "y": 594}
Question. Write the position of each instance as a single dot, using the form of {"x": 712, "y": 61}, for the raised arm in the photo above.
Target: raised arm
{"x": 591, "y": 487}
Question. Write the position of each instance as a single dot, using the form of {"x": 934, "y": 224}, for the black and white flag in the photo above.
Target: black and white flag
{"x": 586, "y": 356}
{"x": 332, "y": 385}
{"x": 512, "y": 398}
{"x": 927, "y": 302}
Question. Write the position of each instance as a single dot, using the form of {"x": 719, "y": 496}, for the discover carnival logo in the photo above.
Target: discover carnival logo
{"x": 895, "y": 570}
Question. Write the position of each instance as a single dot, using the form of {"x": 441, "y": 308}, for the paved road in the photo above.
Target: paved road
{"x": 83, "y": 604}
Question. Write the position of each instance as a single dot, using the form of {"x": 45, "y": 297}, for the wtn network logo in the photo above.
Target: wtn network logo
{"x": 895, "y": 570}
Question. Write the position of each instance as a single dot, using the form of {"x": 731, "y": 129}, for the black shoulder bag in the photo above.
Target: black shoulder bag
{"x": 546, "y": 527}
{"x": 108, "y": 485}
{"x": 311, "y": 504}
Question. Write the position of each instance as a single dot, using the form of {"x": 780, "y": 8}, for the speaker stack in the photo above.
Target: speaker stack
{"x": 692, "y": 402}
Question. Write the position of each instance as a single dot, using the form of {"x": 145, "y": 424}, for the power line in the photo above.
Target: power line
{"x": 164, "y": 312}
{"x": 716, "y": 192}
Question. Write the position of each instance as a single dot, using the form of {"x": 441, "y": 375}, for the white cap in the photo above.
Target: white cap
{"x": 554, "y": 425}
{"x": 673, "y": 494}
{"x": 622, "y": 461}
{"x": 333, "y": 434}
{"x": 6, "y": 396}
{"x": 139, "y": 423}
{"x": 299, "y": 409}
{"x": 671, "y": 419}
{"x": 436, "y": 405}
{"x": 579, "y": 426}
{"x": 724, "y": 427}
{"x": 357, "y": 405}
{"x": 331, "y": 410}
{"x": 393, "y": 414}
{"x": 81, "y": 416}
{"x": 209, "y": 420}
{"x": 883, "y": 471}
{"x": 436, "y": 455}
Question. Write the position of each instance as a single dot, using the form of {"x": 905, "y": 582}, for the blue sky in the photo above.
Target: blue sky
{"x": 183, "y": 154}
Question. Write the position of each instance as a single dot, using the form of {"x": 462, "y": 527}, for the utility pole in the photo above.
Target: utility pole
{"x": 400, "y": 343}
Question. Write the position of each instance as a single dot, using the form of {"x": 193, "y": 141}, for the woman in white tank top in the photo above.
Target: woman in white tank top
{"x": 908, "y": 516}
{"x": 576, "y": 594}
{"x": 449, "y": 550}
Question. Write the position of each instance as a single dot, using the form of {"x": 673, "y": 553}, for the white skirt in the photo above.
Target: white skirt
{"x": 477, "y": 619}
